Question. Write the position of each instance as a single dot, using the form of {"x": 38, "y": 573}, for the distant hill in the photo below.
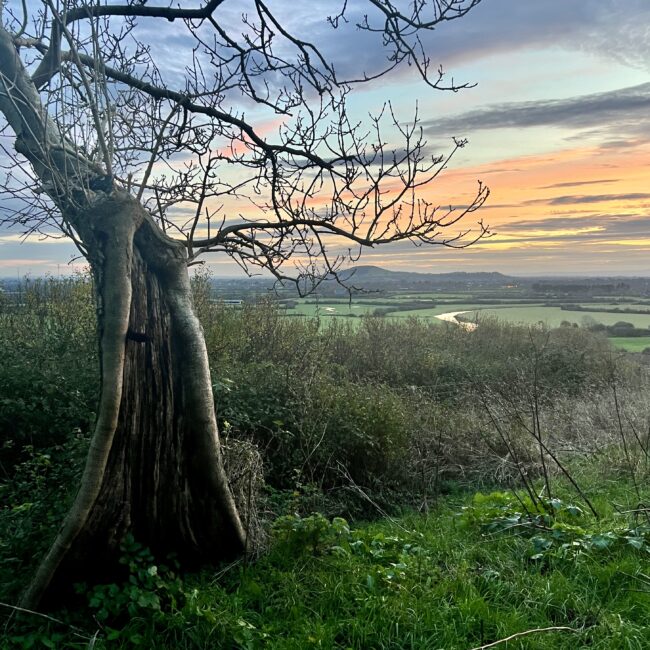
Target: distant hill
{"x": 369, "y": 278}
{"x": 377, "y": 278}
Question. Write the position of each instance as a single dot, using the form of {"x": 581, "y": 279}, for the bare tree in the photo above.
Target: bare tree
{"x": 142, "y": 132}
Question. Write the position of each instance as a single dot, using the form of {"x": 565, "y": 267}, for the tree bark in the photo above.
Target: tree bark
{"x": 155, "y": 468}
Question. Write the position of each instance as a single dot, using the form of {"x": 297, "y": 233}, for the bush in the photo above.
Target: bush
{"x": 48, "y": 375}
{"x": 311, "y": 431}
{"x": 34, "y": 501}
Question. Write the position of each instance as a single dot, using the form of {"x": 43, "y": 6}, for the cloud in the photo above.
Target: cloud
{"x": 574, "y": 243}
{"x": 21, "y": 263}
{"x": 620, "y": 228}
{"x": 574, "y": 199}
{"x": 614, "y": 29}
{"x": 598, "y": 198}
{"x": 577, "y": 183}
{"x": 610, "y": 29}
{"x": 628, "y": 107}
{"x": 598, "y": 220}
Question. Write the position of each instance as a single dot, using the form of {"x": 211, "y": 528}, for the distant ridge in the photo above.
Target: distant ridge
{"x": 375, "y": 277}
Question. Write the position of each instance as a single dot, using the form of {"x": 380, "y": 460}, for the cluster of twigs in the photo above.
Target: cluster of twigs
{"x": 249, "y": 150}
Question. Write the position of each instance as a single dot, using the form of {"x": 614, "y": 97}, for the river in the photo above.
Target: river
{"x": 450, "y": 317}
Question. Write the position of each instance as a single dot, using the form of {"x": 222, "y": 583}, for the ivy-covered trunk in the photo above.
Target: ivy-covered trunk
{"x": 154, "y": 468}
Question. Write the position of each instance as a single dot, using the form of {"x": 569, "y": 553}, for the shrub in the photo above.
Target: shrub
{"x": 48, "y": 375}
{"x": 312, "y": 430}
{"x": 34, "y": 501}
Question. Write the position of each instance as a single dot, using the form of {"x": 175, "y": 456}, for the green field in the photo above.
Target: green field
{"x": 553, "y": 316}
{"x": 432, "y": 312}
{"x": 526, "y": 314}
{"x": 328, "y": 310}
{"x": 631, "y": 343}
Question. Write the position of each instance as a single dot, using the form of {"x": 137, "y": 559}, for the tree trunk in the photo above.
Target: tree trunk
{"x": 154, "y": 465}
{"x": 154, "y": 468}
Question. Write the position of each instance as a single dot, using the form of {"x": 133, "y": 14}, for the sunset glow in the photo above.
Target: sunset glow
{"x": 558, "y": 124}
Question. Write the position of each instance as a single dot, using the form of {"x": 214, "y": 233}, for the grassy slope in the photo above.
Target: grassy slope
{"x": 419, "y": 582}
{"x": 452, "y": 588}
{"x": 423, "y": 582}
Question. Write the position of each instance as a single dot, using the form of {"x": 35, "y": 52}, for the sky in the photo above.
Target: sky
{"x": 558, "y": 125}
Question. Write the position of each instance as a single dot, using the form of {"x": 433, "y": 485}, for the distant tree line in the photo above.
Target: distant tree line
{"x": 620, "y": 328}
{"x": 612, "y": 310}
{"x": 608, "y": 289}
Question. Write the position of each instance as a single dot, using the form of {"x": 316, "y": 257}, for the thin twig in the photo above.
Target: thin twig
{"x": 353, "y": 486}
{"x": 561, "y": 628}
{"x": 24, "y": 610}
{"x": 154, "y": 152}
{"x": 635, "y": 511}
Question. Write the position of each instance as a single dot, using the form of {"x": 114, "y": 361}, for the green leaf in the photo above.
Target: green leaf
{"x": 637, "y": 542}
{"x": 541, "y": 544}
{"x": 340, "y": 551}
{"x": 601, "y": 542}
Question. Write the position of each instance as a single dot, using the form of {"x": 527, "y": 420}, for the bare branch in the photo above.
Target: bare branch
{"x": 51, "y": 61}
{"x": 304, "y": 188}
{"x": 154, "y": 153}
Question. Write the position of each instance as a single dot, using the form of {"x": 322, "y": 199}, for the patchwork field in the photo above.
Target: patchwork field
{"x": 554, "y": 316}
{"x": 478, "y": 307}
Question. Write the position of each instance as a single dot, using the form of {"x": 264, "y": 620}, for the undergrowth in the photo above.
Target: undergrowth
{"x": 365, "y": 423}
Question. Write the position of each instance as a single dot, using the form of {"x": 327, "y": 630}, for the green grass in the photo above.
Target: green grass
{"x": 631, "y": 343}
{"x": 433, "y": 582}
{"x": 447, "y": 580}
